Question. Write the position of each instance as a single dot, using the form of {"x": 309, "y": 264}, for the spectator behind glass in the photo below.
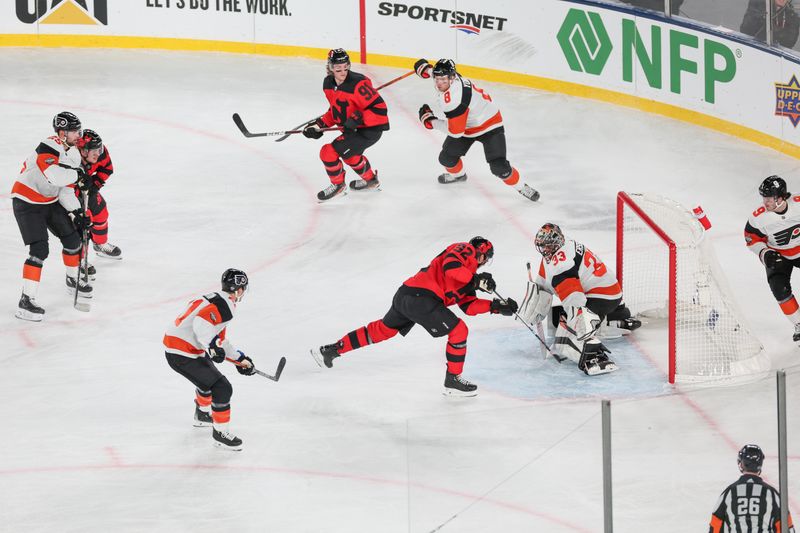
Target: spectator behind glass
{"x": 785, "y": 21}
{"x": 656, "y": 5}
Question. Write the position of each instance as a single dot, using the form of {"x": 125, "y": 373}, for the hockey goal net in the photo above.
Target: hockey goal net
{"x": 669, "y": 272}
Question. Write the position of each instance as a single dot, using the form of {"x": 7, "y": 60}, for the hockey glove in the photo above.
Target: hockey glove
{"x": 423, "y": 68}
{"x": 426, "y": 116}
{"x": 84, "y": 182}
{"x": 507, "y": 308}
{"x": 245, "y": 370}
{"x": 215, "y": 350}
{"x": 81, "y": 221}
{"x": 354, "y": 121}
{"x": 484, "y": 282}
{"x": 313, "y": 129}
{"x": 773, "y": 259}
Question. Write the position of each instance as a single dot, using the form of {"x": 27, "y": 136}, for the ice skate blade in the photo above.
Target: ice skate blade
{"x": 228, "y": 448}
{"x": 455, "y": 393}
{"x": 71, "y": 292}
{"x": 315, "y": 353}
{"x": 22, "y": 314}
{"x": 105, "y": 256}
{"x": 200, "y": 424}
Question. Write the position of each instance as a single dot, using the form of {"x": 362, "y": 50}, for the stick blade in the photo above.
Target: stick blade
{"x": 279, "y": 370}
{"x": 83, "y": 307}
{"x": 239, "y": 124}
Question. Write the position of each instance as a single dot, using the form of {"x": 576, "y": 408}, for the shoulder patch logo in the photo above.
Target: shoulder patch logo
{"x": 213, "y": 316}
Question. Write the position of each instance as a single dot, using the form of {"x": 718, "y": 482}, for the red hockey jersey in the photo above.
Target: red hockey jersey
{"x": 354, "y": 94}
{"x": 449, "y": 276}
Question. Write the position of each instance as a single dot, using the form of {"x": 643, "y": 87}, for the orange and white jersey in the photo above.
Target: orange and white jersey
{"x": 468, "y": 110}
{"x": 204, "y": 318}
{"x": 769, "y": 230}
{"x": 46, "y": 174}
{"x": 574, "y": 273}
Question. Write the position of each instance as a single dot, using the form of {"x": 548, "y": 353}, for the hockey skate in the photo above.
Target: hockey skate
{"x": 28, "y": 310}
{"x": 91, "y": 272}
{"x": 594, "y": 360}
{"x": 202, "y": 419}
{"x": 629, "y": 324}
{"x": 455, "y": 385}
{"x": 226, "y": 440}
{"x": 447, "y": 178}
{"x": 529, "y": 192}
{"x": 332, "y": 191}
{"x": 84, "y": 289}
{"x": 326, "y": 354}
{"x": 366, "y": 185}
{"x": 107, "y": 250}
{"x": 795, "y": 337}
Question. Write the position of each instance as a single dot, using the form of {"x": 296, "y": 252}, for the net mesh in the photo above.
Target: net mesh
{"x": 712, "y": 341}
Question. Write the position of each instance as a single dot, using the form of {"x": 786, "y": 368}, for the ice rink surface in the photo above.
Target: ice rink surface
{"x": 98, "y": 433}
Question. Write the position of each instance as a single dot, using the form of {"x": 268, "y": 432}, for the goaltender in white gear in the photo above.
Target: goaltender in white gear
{"x": 590, "y": 296}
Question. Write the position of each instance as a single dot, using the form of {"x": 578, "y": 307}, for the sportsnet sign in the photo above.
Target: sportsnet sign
{"x": 465, "y": 21}
{"x": 88, "y": 12}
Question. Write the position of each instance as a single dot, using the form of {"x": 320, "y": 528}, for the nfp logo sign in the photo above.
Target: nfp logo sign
{"x": 586, "y": 45}
{"x": 93, "y": 12}
{"x": 585, "y": 42}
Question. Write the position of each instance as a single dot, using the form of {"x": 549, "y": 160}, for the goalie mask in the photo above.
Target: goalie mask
{"x": 234, "y": 279}
{"x": 483, "y": 247}
{"x": 750, "y": 459}
{"x": 549, "y": 239}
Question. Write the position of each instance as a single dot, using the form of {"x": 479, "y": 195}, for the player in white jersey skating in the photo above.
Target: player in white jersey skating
{"x": 43, "y": 199}
{"x": 196, "y": 340}
{"x": 470, "y": 115}
{"x": 589, "y": 293}
{"x": 773, "y": 233}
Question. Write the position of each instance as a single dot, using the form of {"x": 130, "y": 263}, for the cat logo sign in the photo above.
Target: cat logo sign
{"x": 85, "y": 12}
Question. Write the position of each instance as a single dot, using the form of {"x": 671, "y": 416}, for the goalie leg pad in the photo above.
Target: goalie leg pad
{"x": 566, "y": 345}
{"x": 536, "y": 304}
{"x": 582, "y": 323}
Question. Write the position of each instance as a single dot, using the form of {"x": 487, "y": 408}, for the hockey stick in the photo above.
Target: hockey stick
{"x": 238, "y": 121}
{"x": 83, "y": 307}
{"x": 285, "y": 134}
{"x": 541, "y": 340}
{"x": 278, "y": 371}
{"x": 539, "y": 328}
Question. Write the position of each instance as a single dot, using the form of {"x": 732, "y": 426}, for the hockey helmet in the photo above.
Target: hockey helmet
{"x": 750, "y": 459}
{"x": 66, "y": 121}
{"x": 483, "y": 246}
{"x": 338, "y": 56}
{"x": 774, "y": 186}
{"x": 445, "y": 67}
{"x": 234, "y": 279}
{"x": 548, "y": 240}
{"x": 90, "y": 140}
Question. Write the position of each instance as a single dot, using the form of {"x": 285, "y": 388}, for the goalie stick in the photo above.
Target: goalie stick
{"x": 278, "y": 371}
{"x": 83, "y": 307}
{"x": 541, "y": 340}
{"x": 297, "y": 129}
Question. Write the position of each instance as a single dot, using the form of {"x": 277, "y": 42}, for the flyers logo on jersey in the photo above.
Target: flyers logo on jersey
{"x": 85, "y": 12}
{"x": 783, "y": 237}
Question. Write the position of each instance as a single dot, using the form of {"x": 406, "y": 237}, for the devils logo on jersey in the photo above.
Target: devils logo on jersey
{"x": 783, "y": 237}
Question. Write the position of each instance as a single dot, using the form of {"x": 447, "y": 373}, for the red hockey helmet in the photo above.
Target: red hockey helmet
{"x": 482, "y": 246}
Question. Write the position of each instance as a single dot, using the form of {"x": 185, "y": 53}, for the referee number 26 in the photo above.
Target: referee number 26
{"x": 748, "y": 506}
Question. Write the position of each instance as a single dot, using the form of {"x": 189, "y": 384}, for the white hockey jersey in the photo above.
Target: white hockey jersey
{"x": 468, "y": 110}
{"x": 574, "y": 273}
{"x": 46, "y": 174}
{"x": 769, "y": 230}
{"x": 204, "y": 318}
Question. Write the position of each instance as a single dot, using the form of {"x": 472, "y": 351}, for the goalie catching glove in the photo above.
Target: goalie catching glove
{"x": 536, "y": 304}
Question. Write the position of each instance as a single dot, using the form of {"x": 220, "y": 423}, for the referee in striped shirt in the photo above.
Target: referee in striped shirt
{"x": 750, "y": 505}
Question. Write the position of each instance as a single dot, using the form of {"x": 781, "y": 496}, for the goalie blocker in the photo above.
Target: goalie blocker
{"x": 590, "y": 295}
